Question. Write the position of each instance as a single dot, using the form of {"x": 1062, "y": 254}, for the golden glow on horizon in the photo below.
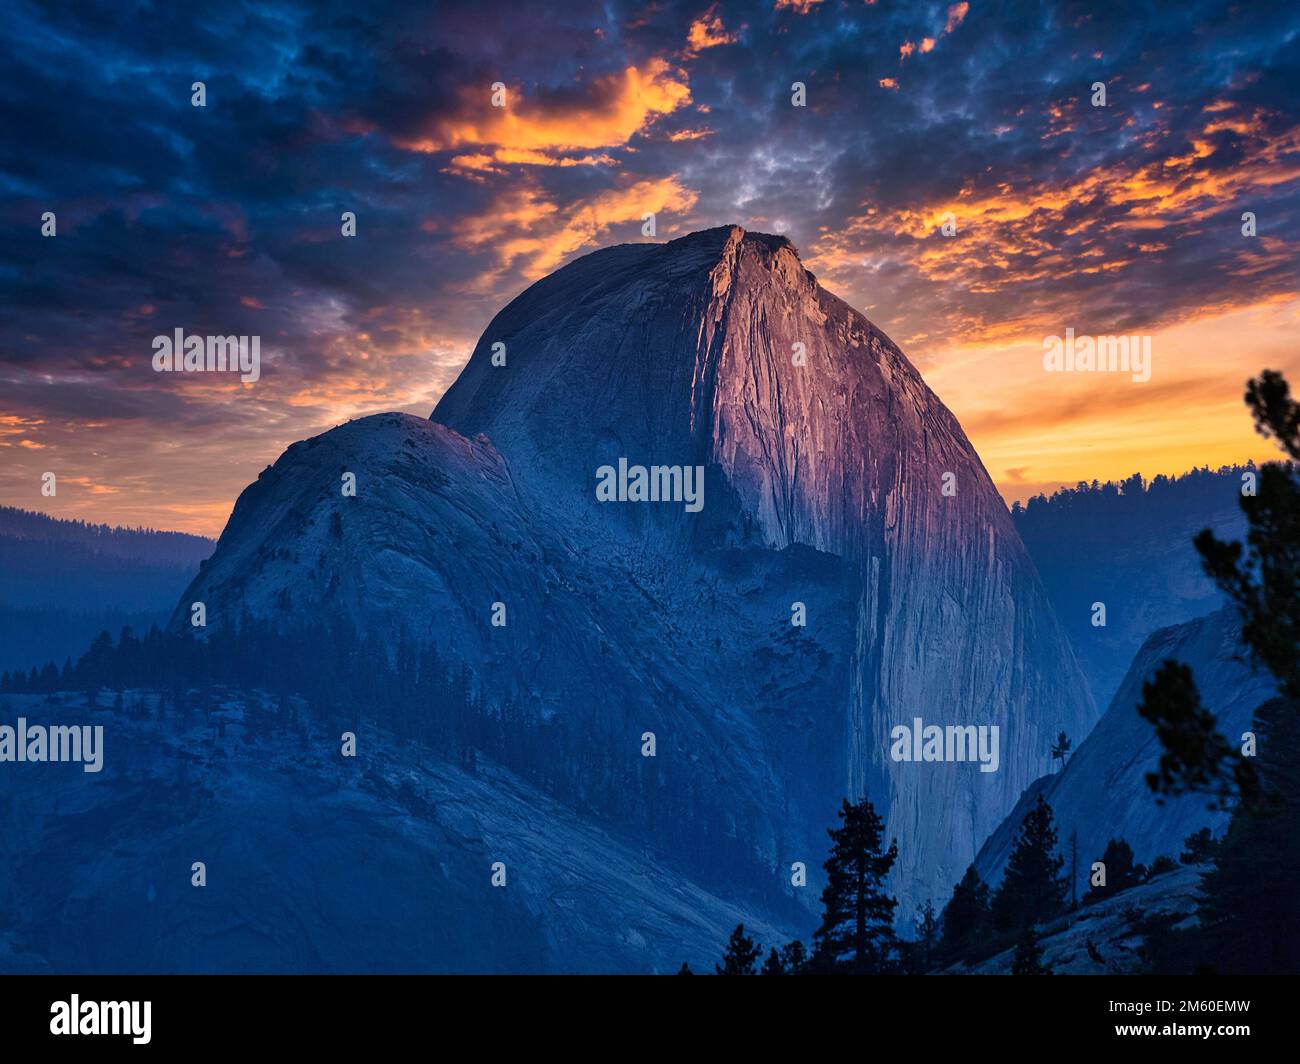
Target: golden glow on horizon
{"x": 1036, "y": 430}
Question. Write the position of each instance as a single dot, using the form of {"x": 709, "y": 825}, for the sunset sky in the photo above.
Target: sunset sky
{"x": 225, "y": 219}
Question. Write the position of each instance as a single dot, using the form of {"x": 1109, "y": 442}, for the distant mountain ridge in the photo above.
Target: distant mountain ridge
{"x": 140, "y": 544}
{"x": 62, "y": 582}
{"x": 1128, "y": 546}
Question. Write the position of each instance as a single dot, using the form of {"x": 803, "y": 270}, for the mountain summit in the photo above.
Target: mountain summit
{"x": 852, "y": 568}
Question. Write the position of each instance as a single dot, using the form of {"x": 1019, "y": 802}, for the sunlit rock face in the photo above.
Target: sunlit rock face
{"x": 832, "y": 477}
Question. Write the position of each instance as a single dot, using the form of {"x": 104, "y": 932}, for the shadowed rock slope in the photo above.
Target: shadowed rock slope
{"x": 1102, "y": 792}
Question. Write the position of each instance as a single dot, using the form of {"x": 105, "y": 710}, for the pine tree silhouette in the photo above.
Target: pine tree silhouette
{"x": 1199, "y": 847}
{"x": 1028, "y": 959}
{"x": 1262, "y": 578}
{"x": 1249, "y": 895}
{"x": 1061, "y": 748}
{"x": 1250, "y": 908}
{"x": 856, "y": 934}
{"x": 794, "y": 958}
{"x": 1121, "y": 872}
{"x": 965, "y": 917}
{"x": 927, "y": 936}
{"x": 740, "y": 956}
{"x": 1033, "y": 889}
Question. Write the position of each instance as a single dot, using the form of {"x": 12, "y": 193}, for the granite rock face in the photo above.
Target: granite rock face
{"x": 1102, "y": 791}
{"x": 833, "y": 477}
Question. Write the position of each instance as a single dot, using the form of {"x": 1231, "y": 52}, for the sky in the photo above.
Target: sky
{"x": 1122, "y": 219}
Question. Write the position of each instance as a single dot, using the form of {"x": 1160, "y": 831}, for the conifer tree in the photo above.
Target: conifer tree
{"x": 856, "y": 934}
{"x": 1160, "y": 866}
{"x": 1199, "y": 847}
{"x": 773, "y": 965}
{"x": 1028, "y": 959}
{"x": 1061, "y": 748}
{"x": 927, "y": 935}
{"x": 965, "y": 917}
{"x": 1250, "y": 908}
{"x": 741, "y": 954}
{"x": 1249, "y": 894}
{"x": 1262, "y": 578}
{"x": 794, "y": 958}
{"x": 1033, "y": 888}
{"x": 1121, "y": 872}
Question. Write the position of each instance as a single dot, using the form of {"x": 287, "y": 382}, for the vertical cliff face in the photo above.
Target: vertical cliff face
{"x": 833, "y": 478}
{"x": 721, "y": 349}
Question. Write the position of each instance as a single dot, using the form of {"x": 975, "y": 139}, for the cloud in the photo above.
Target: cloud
{"x": 525, "y": 229}
{"x": 1029, "y": 247}
{"x": 547, "y": 130}
{"x": 707, "y": 31}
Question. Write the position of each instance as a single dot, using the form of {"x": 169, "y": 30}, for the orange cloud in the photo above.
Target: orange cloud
{"x": 12, "y": 425}
{"x": 955, "y": 15}
{"x": 527, "y": 230}
{"x": 541, "y": 132}
{"x": 799, "y": 7}
{"x": 473, "y": 166}
{"x": 1009, "y": 238}
{"x": 707, "y": 31}
{"x": 91, "y": 486}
